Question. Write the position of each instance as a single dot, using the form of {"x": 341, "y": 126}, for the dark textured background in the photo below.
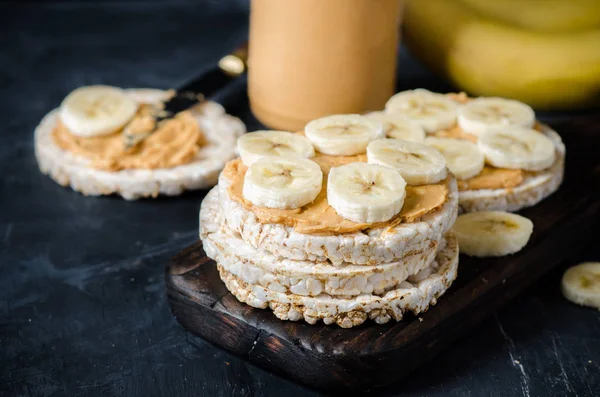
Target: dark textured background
{"x": 82, "y": 303}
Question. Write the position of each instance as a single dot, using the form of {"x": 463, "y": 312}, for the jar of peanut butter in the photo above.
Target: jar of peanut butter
{"x": 312, "y": 58}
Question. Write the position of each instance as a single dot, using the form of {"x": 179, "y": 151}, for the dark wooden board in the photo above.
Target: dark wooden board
{"x": 370, "y": 356}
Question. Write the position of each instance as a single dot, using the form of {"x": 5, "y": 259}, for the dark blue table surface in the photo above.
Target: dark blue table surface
{"x": 82, "y": 302}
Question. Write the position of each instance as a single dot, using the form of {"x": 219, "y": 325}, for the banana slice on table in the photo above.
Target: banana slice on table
{"x": 491, "y": 233}
{"x": 365, "y": 192}
{"x": 581, "y": 284}
{"x": 343, "y": 134}
{"x": 96, "y": 110}
{"x": 418, "y": 163}
{"x": 517, "y": 147}
{"x": 430, "y": 110}
{"x": 398, "y": 127}
{"x": 255, "y": 145}
{"x": 282, "y": 183}
{"x": 463, "y": 158}
{"x": 481, "y": 114}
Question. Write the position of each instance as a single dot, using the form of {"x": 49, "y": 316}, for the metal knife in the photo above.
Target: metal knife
{"x": 230, "y": 67}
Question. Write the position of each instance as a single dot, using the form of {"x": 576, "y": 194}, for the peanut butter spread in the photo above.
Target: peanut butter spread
{"x": 175, "y": 142}
{"x": 319, "y": 218}
{"x": 490, "y": 177}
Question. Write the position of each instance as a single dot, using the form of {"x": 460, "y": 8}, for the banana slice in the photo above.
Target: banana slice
{"x": 365, "y": 192}
{"x": 481, "y": 114}
{"x": 259, "y": 144}
{"x": 96, "y": 110}
{"x": 581, "y": 284}
{"x": 397, "y": 127}
{"x": 343, "y": 134}
{"x": 282, "y": 183}
{"x": 432, "y": 111}
{"x": 517, "y": 147}
{"x": 418, "y": 164}
{"x": 491, "y": 233}
{"x": 463, "y": 158}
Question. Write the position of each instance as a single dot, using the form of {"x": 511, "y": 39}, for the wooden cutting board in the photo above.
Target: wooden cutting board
{"x": 369, "y": 356}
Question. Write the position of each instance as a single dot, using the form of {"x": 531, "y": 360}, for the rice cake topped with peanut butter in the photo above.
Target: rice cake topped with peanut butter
{"x": 104, "y": 140}
{"x": 504, "y": 159}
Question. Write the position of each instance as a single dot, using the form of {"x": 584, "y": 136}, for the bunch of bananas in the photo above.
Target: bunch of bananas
{"x": 542, "y": 52}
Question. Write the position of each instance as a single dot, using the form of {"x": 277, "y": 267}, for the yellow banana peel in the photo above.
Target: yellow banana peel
{"x": 485, "y": 57}
{"x": 541, "y": 15}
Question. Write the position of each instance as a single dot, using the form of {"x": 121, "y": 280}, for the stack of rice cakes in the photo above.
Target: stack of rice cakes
{"x": 376, "y": 273}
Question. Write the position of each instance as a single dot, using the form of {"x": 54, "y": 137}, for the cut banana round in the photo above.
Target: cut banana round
{"x": 255, "y": 145}
{"x": 343, "y": 134}
{"x": 282, "y": 183}
{"x": 96, "y": 110}
{"x": 432, "y": 111}
{"x": 517, "y": 147}
{"x": 491, "y": 233}
{"x": 581, "y": 284}
{"x": 398, "y": 127}
{"x": 418, "y": 164}
{"x": 463, "y": 158}
{"x": 365, "y": 192}
{"x": 481, "y": 114}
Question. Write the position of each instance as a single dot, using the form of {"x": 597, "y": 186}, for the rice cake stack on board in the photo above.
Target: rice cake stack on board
{"x": 331, "y": 225}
